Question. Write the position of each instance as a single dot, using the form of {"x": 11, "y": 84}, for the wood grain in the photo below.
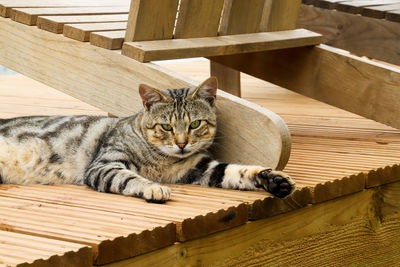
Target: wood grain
{"x": 228, "y": 78}
{"x": 24, "y": 250}
{"x": 151, "y": 20}
{"x": 218, "y": 46}
{"x": 198, "y": 18}
{"x": 282, "y": 15}
{"x": 29, "y": 15}
{"x": 81, "y": 32}
{"x": 108, "y": 39}
{"x": 55, "y": 24}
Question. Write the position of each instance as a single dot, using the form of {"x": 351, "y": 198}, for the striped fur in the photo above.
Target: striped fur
{"x": 165, "y": 143}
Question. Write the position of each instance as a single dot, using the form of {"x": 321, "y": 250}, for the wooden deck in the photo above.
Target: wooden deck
{"x": 347, "y": 169}
{"x": 335, "y": 153}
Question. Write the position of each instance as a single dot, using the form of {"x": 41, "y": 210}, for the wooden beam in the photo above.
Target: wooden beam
{"x": 228, "y": 78}
{"x": 330, "y": 75}
{"x": 218, "y": 46}
{"x": 108, "y": 80}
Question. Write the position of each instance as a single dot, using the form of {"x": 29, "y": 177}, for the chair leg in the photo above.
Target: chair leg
{"x": 228, "y": 78}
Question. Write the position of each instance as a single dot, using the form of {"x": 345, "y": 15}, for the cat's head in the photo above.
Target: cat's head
{"x": 180, "y": 122}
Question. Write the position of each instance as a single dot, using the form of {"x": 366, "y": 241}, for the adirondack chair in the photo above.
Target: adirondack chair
{"x": 109, "y": 80}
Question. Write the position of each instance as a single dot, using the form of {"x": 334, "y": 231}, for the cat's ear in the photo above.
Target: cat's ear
{"x": 150, "y": 95}
{"x": 207, "y": 90}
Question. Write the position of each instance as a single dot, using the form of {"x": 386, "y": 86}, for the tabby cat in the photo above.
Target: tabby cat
{"x": 165, "y": 143}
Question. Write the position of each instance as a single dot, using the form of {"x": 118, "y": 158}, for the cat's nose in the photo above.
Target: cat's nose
{"x": 181, "y": 145}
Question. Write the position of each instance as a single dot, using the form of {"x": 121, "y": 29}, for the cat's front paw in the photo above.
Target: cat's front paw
{"x": 156, "y": 193}
{"x": 276, "y": 182}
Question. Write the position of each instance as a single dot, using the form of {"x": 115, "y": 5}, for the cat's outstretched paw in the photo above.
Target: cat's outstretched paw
{"x": 157, "y": 193}
{"x": 276, "y": 182}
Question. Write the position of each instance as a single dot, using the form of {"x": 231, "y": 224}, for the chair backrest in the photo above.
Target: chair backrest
{"x": 167, "y": 19}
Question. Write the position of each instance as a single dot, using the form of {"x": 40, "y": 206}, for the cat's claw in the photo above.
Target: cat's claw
{"x": 157, "y": 193}
{"x": 277, "y": 183}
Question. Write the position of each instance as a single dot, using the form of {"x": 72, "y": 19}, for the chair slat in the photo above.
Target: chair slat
{"x": 198, "y": 18}
{"x": 280, "y": 15}
{"x": 151, "y": 20}
{"x": 241, "y": 16}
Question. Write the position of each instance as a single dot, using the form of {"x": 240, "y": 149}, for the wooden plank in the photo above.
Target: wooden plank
{"x": 379, "y": 12}
{"x": 353, "y": 225}
{"x": 81, "y": 32}
{"x": 198, "y": 18}
{"x": 21, "y": 249}
{"x": 360, "y": 35}
{"x": 327, "y": 4}
{"x": 151, "y": 20}
{"x": 241, "y": 16}
{"x": 55, "y": 24}
{"x": 393, "y": 15}
{"x": 6, "y": 6}
{"x": 29, "y": 15}
{"x": 356, "y": 7}
{"x": 367, "y": 88}
{"x": 46, "y": 61}
{"x": 218, "y": 46}
{"x": 108, "y": 40}
{"x": 282, "y": 15}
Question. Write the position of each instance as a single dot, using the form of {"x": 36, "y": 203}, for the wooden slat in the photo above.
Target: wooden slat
{"x": 327, "y": 4}
{"x": 25, "y": 249}
{"x": 356, "y": 7}
{"x": 358, "y": 34}
{"x": 108, "y": 40}
{"x": 7, "y": 5}
{"x": 360, "y": 79}
{"x": 151, "y": 20}
{"x": 198, "y": 18}
{"x": 379, "y": 12}
{"x": 81, "y": 32}
{"x": 241, "y": 16}
{"x": 393, "y": 15}
{"x": 55, "y": 24}
{"x": 282, "y": 15}
{"x": 219, "y": 46}
{"x": 29, "y": 15}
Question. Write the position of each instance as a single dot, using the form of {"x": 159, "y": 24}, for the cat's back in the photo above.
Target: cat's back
{"x": 54, "y": 149}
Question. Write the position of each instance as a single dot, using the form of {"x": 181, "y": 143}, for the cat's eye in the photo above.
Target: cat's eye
{"x": 166, "y": 127}
{"x": 195, "y": 124}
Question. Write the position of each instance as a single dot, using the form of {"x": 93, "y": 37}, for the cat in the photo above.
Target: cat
{"x": 166, "y": 142}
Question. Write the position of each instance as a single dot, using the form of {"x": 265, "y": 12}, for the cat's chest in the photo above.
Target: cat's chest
{"x": 169, "y": 172}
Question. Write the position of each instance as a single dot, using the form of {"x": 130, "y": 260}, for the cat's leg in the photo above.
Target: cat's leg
{"x": 242, "y": 177}
{"x": 116, "y": 177}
